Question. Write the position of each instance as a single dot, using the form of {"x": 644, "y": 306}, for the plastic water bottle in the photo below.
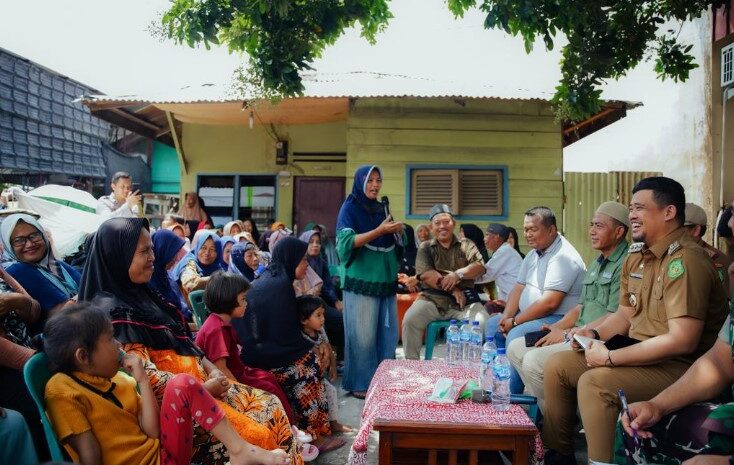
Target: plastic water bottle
{"x": 465, "y": 341}
{"x": 453, "y": 343}
{"x": 475, "y": 347}
{"x": 486, "y": 375}
{"x": 501, "y": 388}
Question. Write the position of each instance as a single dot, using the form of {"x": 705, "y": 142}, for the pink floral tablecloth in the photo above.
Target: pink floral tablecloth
{"x": 400, "y": 390}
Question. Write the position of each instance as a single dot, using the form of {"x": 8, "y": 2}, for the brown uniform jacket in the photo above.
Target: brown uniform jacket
{"x": 433, "y": 256}
{"x": 673, "y": 278}
{"x": 721, "y": 263}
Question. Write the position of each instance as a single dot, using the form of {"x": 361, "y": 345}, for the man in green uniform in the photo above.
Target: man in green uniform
{"x": 599, "y": 298}
{"x": 671, "y": 300}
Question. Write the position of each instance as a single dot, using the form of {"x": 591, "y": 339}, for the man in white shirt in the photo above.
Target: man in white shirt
{"x": 122, "y": 202}
{"x": 503, "y": 266}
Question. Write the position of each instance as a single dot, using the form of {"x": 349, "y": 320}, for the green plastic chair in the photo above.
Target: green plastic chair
{"x": 196, "y": 299}
{"x": 36, "y": 374}
{"x": 432, "y": 331}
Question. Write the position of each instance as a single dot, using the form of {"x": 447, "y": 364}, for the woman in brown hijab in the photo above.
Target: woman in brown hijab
{"x": 191, "y": 209}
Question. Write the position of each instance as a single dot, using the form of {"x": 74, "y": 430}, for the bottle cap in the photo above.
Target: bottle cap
{"x": 501, "y": 351}
{"x": 489, "y": 339}
{"x": 475, "y": 323}
{"x": 466, "y": 321}
{"x": 453, "y": 322}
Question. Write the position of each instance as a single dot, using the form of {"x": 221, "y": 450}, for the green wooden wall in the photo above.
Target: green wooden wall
{"x": 521, "y": 135}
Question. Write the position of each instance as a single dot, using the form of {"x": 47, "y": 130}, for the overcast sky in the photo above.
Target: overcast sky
{"x": 107, "y": 44}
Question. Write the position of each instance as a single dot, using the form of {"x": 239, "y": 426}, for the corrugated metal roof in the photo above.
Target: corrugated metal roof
{"x": 339, "y": 85}
{"x": 42, "y": 130}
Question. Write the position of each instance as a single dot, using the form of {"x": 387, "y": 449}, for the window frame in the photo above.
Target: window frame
{"x": 236, "y": 189}
{"x": 409, "y": 168}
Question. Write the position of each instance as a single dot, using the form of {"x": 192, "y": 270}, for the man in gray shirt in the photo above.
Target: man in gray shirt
{"x": 503, "y": 266}
{"x": 548, "y": 284}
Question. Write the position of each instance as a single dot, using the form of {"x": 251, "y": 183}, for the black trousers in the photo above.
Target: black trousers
{"x": 14, "y": 395}
{"x": 334, "y": 325}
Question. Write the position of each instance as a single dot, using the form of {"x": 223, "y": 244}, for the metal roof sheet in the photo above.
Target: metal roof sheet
{"x": 339, "y": 85}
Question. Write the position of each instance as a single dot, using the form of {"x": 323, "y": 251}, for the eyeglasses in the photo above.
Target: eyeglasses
{"x": 21, "y": 240}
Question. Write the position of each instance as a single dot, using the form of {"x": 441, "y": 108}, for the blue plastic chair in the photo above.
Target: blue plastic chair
{"x": 36, "y": 374}
{"x": 200, "y": 312}
{"x": 432, "y": 334}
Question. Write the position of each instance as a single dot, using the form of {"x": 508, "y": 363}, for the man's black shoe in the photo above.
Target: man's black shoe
{"x": 553, "y": 457}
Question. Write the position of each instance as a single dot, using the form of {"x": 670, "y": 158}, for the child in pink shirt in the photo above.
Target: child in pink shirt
{"x": 225, "y": 299}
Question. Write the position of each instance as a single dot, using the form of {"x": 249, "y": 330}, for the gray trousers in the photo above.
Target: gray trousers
{"x": 422, "y": 312}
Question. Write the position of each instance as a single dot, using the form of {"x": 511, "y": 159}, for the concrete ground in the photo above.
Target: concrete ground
{"x": 350, "y": 411}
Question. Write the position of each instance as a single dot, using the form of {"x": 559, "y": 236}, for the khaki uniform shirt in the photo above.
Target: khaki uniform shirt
{"x": 433, "y": 256}
{"x": 721, "y": 263}
{"x": 673, "y": 278}
{"x": 600, "y": 293}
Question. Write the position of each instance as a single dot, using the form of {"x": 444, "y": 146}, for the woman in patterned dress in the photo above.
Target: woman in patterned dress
{"x": 155, "y": 331}
{"x": 270, "y": 334}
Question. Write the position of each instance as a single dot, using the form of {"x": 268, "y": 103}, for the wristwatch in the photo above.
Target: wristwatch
{"x": 459, "y": 274}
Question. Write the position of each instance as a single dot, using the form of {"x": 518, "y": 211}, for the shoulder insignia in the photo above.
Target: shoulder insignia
{"x": 636, "y": 247}
{"x": 722, "y": 276}
{"x": 676, "y": 268}
{"x": 673, "y": 247}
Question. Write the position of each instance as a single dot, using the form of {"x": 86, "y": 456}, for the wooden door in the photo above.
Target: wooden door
{"x": 317, "y": 199}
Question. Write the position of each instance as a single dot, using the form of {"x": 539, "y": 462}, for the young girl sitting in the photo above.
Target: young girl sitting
{"x": 311, "y": 313}
{"x": 99, "y": 416}
{"x": 225, "y": 299}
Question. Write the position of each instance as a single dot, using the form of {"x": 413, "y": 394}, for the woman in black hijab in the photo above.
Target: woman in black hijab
{"x": 117, "y": 272}
{"x": 271, "y": 338}
{"x": 472, "y": 232}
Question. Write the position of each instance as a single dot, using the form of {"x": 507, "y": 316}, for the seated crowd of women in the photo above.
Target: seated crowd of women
{"x": 140, "y": 282}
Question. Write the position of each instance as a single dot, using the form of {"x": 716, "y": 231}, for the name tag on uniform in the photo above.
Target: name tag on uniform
{"x": 636, "y": 275}
{"x": 606, "y": 274}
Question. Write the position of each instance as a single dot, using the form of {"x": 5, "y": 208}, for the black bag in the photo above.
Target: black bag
{"x": 722, "y": 227}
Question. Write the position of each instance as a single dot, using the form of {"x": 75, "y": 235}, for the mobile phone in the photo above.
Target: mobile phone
{"x": 533, "y": 337}
{"x": 136, "y": 187}
{"x": 583, "y": 341}
{"x": 620, "y": 341}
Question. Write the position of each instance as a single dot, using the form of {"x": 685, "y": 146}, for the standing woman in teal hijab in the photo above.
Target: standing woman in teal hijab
{"x": 366, "y": 246}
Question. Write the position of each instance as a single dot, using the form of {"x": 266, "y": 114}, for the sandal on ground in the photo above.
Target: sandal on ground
{"x": 331, "y": 443}
{"x": 301, "y": 436}
{"x": 359, "y": 394}
{"x": 309, "y": 452}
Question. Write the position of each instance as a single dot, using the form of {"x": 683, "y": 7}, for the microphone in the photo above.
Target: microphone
{"x": 386, "y": 205}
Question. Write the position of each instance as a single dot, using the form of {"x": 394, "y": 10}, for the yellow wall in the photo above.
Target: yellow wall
{"x": 523, "y": 136}
{"x": 218, "y": 149}
{"x": 393, "y": 132}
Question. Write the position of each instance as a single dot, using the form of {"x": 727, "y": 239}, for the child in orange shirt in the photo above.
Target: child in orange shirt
{"x": 99, "y": 416}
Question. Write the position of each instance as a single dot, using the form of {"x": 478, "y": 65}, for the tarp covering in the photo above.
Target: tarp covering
{"x": 67, "y": 224}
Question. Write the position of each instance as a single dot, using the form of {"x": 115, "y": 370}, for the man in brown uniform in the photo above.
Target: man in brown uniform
{"x": 696, "y": 222}
{"x": 671, "y": 299}
{"x": 445, "y": 266}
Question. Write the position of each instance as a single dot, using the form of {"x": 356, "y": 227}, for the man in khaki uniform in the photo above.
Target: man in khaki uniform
{"x": 445, "y": 266}
{"x": 696, "y": 222}
{"x": 671, "y": 299}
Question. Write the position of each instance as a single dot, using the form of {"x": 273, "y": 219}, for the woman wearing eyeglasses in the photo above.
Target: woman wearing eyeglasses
{"x": 51, "y": 282}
